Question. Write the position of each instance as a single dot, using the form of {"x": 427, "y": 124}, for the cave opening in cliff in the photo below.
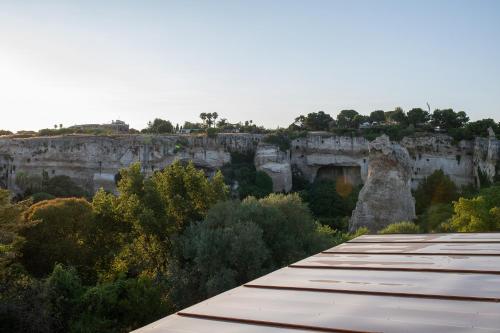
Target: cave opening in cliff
{"x": 348, "y": 174}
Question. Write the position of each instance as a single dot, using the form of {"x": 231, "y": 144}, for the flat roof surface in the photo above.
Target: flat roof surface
{"x": 374, "y": 283}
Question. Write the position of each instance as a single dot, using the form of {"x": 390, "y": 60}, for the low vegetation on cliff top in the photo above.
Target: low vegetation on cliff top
{"x": 396, "y": 123}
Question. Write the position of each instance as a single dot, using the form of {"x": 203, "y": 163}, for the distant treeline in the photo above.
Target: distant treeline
{"x": 396, "y": 123}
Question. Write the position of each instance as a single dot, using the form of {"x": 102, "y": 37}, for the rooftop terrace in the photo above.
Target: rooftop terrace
{"x": 374, "y": 283}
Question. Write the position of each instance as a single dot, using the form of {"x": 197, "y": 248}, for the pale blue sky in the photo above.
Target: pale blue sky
{"x": 93, "y": 61}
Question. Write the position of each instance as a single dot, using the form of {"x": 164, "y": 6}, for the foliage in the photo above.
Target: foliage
{"x": 190, "y": 125}
{"x": 314, "y": 121}
{"x": 68, "y": 224}
{"x": 29, "y": 183}
{"x": 377, "y": 116}
{"x": 149, "y": 211}
{"x": 217, "y": 254}
{"x": 397, "y": 116}
{"x": 331, "y": 201}
{"x": 63, "y": 187}
{"x": 250, "y": 182}
{"x": 345, "y": 119}
{"x": 404, "y": 227}
{"x": 187, "y": 193}
{"x": 119, "y": 306}
{"x": 479, "y": 214}
{"x": 212, "y": 132}
{"x": 447, "y": 119}
{"x": 435, "y": 216}
{"x": 61, "y": 303}
{"x": 159, "y": 126}
{"x": 209, "y": 118}
{"x": 60, "y": 186}
{"x": 299, "y": 181}
{"x": 10, "y": 224}
{"x": 280, "y": 139}
{"x": 239, "y": 241}
{"x": 41, "y": 196}
{"x": 360, "y": 232}
{"x": 4, "y": 132}
{"x": 418, "y": 116}
{"x": 438, "y": 188}
{"x": 480, "y": 127}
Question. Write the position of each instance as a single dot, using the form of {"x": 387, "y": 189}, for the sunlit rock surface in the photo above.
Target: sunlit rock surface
{"x": 386, "y": 195}
{"x": 93, "y": 161}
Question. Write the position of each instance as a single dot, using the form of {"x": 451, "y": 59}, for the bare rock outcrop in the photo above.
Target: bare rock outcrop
{"x": 386, "y": 195}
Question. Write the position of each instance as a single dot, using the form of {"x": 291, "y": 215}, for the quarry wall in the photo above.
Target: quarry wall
{"x": 94, "y": 161}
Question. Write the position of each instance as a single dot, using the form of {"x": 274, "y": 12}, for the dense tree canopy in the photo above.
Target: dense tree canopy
{"x": 159, "y": 126}
{"x": 331, "y": 201}
{"x": 478, "y": 214}
{"x": 314, "y": 121}
{"x": 418, "y": 116}
{"x": 239, "y": 241}
{"x": 377, "y": 116}
{"x": 447, "y": 119}
{"x": 58, "y": 231}
{"x": 438, "y": 188}
{"x": 345, "y": 119}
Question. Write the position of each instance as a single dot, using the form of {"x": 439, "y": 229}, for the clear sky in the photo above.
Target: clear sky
{"x": 89, "y": 61}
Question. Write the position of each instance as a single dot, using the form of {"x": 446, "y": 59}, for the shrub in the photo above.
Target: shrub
{"x": 41, "y": 196}
{"x": 479, "y": 214}
{"x": 400, "y": 228}
{"x": 438, "y": 188}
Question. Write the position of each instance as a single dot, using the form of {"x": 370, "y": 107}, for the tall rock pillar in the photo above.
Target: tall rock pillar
{"x": 386, "y": 195}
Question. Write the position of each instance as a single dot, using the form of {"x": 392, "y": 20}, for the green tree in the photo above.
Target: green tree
{"x": 435, "y": 216}
{"x": 209, "y": 118}
{"x": 153, "y": 210}
{"x": 398, "y": 116}
{"x": 239, "y": 241}
{"x": 359, "y": 119}
{"x": 480, "y": 127}
{"x": 438, "y": 188}
{"x": 448, "y": 119}
{"x": 68, "y": 224}
{"x": 331, "y": 201}
{"x": 29, "y": 183}
{"x": 479, "y": 214}
{"x": 63, "y": 187}
{"x": 159, "y": 126}
{"x": 377, "y": 116}
{"x": 242, "y": 171}
{"x": 418, "y": 116}
{"x": 119, "y": 306}
{"x": 345, "y": 119}
{"x": 4, "y": 132}
{"x": 223, "y": 251}
{"x": 41, "y": 306}
{"x": 314, "y": 121}
{"x": 11, "y": 219}
{"x": 187, "y": 193}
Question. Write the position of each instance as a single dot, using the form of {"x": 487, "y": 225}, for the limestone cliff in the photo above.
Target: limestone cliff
{"x": 276, "y": 163}
{"x": 386, "y": 195}
{"x": 93, "y": 161}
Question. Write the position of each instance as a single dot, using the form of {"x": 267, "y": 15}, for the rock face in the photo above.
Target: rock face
{"x": 93, "y": 161}
{"x": 386, "y": 195}
{"x": 276, "y": 164}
